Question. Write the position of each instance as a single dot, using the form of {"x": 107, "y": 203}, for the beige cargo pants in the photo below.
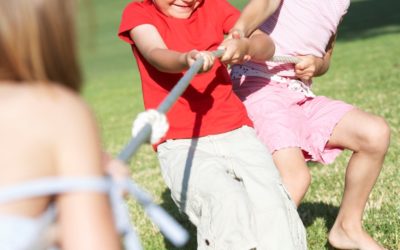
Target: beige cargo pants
{"x": 231, "y": 191}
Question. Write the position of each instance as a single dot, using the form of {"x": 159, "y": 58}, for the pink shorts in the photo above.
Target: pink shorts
{"x": 284, "y": 118}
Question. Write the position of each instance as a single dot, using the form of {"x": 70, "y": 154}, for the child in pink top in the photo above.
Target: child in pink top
{"x": 298, "y": 126}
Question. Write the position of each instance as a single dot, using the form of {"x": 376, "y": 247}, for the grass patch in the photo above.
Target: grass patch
{"x": 365, "y": 71}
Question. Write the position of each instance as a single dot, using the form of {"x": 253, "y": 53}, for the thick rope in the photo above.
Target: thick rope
{"x": 166, "y": 104}
{"x": 60, "y": 185}
{"x": 167, "y": 225}
{"x": 285, "y": 59}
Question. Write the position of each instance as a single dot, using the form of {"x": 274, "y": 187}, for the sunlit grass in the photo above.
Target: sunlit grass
{"x": 365, "y": 71}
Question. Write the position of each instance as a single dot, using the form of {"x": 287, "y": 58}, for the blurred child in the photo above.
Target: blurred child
{"x": 48, "y": 134}
{"x": 219, "y": 174}
{"x": 298, "y": 126}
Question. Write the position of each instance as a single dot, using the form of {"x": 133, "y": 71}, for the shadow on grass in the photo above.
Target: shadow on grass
{"x": 310, "y": 211}
{"x": 369, "y": 18}
{"x": 169, "y": 205}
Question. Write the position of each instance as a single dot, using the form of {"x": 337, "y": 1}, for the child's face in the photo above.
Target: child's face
{"x": 177, "y": 8}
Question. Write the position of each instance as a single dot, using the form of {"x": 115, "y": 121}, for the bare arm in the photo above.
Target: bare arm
{"x": 254, "y": 13}
{"x": 85, "y": 218}
{"x": 326, "y": 60}
{"x": 311, "y": 66}
{"x": 152, "y": 47}
{"x": 259, "y": 47}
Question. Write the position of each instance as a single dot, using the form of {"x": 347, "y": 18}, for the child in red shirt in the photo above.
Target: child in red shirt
{"x": 210, "y": 157}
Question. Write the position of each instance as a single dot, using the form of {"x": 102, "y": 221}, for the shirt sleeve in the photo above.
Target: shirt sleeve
{"x": 343, "y": 6}
{"x": 229, "y": 12}
{"x": 134, "y": 14}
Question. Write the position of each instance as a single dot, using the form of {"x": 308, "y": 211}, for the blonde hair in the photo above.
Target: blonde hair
{"x": 37, "y": 42}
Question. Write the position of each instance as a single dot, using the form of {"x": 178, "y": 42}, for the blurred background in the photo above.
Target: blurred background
{"x": 365, "y": 71}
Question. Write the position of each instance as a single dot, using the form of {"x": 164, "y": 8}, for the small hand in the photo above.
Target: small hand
{"x": 235, "y": 34}
{"x": 115, "y": 168}
{"x": 307, "y": 67}
{"x": 235, "y": 51}
{"x": 233, "y": 54}
{"x": 207, "y": 56}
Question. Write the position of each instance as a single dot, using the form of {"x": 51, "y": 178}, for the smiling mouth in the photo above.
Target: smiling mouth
{"x": 182, "y": 6}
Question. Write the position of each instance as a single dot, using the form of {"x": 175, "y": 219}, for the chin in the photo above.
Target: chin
{"x": 184, "y": 16}
{"x": 181, "y": 15}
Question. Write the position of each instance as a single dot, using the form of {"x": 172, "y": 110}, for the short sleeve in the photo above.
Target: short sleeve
{"x": 343, "y": 6}
{"x": 134, "y": 14}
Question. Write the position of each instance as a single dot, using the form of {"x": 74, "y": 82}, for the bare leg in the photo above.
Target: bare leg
{"x": 368, "y": 137}
{"x": 294, "y": 172}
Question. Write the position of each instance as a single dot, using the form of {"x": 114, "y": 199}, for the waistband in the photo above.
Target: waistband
{"x": 240, "y": 72}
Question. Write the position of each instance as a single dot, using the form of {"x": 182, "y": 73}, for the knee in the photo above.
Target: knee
{"x": 298, "y": 185}
{"x": 299, "y": 178}
{"x": 376, "y": 138}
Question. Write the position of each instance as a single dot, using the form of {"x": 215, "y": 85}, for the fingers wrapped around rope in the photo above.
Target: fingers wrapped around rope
{"x": 157, "y": 121}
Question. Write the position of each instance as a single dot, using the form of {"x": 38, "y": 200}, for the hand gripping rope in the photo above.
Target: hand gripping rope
{"x": 167, "y": 225}
{"x": 165, "y": 105}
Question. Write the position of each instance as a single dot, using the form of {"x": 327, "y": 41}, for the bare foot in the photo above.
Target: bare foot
{"x": 352, "y": 238}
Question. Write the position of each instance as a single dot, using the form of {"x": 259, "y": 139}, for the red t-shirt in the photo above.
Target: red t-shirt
{"x": 208, "y": 106}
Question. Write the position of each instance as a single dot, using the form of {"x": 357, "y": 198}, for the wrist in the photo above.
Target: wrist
{"x": 319, "y": 66}
{"x": 184, "y": 60}
{"x": 238, "y": 31}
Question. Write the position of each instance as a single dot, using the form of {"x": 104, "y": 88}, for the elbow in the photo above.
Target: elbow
{"x": 271, "y": 51}
{"x": 264, "y": 49}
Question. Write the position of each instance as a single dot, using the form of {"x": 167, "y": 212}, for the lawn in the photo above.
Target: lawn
{"x": 365, "y": 71}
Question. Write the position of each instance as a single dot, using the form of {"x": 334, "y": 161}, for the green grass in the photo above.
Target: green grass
{"x": 365, "y": 71}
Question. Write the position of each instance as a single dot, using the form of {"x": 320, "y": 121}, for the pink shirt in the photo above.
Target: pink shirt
{"x": 298, "y": 27}
{"x": 305, "y": 26}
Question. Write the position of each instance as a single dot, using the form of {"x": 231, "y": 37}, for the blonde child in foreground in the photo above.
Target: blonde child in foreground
{"x": 297, "y": 126}
{"x": 219, "y": 174}
{"x": 48, "y": 132}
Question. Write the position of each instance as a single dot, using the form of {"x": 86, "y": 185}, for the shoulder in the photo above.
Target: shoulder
{"x": 55, "y": 109}
{"x": 135, "y": 14}
{"x": 68, "y": 108}
{"x": 77, "y": 143}
{"x": 68, "y": 101}
{"x": 49, "y": 119}
{"x": 343, "y": 6}
{"x": 337, "y": 8}
{"x": 135, "y": 8}
{"x": 45, "y": 100}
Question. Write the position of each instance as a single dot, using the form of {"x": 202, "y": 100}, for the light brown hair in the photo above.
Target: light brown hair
{"x": 37, "y": 42}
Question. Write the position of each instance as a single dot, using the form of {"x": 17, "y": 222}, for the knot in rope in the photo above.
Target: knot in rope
{"x": 157, "y": 121}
